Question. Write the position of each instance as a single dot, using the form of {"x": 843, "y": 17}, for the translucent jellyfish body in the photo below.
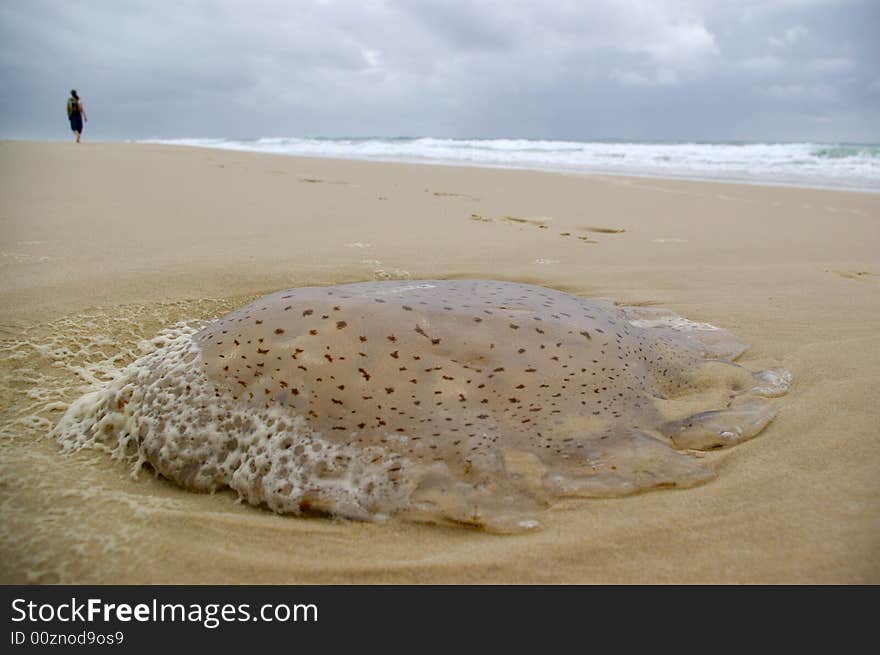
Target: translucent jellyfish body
{"x": 466, "y": 401}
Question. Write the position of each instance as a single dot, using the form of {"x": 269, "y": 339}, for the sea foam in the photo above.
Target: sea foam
{"x": 820, "y": 165}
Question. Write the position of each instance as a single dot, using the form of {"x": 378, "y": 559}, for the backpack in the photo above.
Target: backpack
{"x": 72, "y": 107}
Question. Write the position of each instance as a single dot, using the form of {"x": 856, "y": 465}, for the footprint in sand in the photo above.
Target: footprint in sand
{"x": 318, "y": 180}
{"x": 446, "y": 194}
{"x": 597, "y": 230}
{"x": 541, "y": 223}
{"x": 855, "y": 275}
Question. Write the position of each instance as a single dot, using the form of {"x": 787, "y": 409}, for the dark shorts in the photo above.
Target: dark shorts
{"x": 76, "y": 123}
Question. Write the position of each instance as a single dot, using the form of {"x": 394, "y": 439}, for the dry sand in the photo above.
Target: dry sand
{"x": 103, "y": 244}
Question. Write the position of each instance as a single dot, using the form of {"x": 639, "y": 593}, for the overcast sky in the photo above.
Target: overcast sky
{"x": 789, "y": 70}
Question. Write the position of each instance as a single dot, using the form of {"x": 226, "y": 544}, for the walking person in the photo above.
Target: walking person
{"x": 76, "y": 112}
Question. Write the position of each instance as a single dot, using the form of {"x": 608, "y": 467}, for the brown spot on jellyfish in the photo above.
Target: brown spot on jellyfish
{"x": 601, "y": 401}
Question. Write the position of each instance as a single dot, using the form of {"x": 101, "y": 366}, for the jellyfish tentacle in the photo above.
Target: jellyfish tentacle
{"x": 631, "y": 462}
{"x": 720, "y": 428}
{"x": 502, "y": 505}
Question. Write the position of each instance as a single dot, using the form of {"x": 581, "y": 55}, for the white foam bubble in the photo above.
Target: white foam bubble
{"x": 269, "y": 456}
{"x": 673, "y": 322}
{"x": 798, "y": 164}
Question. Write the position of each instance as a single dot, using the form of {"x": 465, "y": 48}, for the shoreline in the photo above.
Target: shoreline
{"x": 588, "y": 172}
{"x": 635, "y": 174}
{"x": 107, "y": 243}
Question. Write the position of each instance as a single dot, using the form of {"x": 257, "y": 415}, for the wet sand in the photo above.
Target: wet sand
{"x": 103, "y": 244}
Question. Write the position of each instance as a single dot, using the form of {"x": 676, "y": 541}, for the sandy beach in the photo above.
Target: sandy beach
{"x": 104, "y": 244}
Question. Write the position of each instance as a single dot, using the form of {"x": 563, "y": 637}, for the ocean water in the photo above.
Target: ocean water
{"x": 820, "y": 165}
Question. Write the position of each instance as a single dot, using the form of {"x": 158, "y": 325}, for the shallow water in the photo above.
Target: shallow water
{"x": 62, "y": 515}
{"x": 818, "y": 165}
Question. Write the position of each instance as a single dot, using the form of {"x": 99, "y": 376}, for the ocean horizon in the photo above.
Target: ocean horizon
{"x": 840, "y": 166}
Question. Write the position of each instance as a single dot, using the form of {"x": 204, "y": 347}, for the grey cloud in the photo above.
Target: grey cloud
{"x": 644, "y": 69}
